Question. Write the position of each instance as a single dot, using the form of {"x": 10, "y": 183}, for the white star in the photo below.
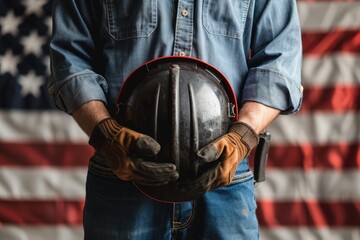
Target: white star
{"x": 10, "y": 23}
{"x": 33, "y": 43}
{"x": 34, "y": 6}
{"x": 48, "y": 23}
{"x": 8, "y": 63}
{"x": 30, "y": 84}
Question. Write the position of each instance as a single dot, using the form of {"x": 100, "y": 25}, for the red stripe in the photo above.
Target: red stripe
{"x": 307, "y": 156}
{"x": 41, "y": 212}
{"x": 334, "y": 99}
{"x": 317, "y": 43}
{"x": 44, "y": 154}
{"x": 309, "y": 213}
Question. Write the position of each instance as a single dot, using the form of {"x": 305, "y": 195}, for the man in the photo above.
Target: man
{"x": 96, "y": 44}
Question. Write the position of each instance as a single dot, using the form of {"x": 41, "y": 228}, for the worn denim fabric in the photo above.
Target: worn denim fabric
{"x": 96, "y": 44}
{"x": 116, "y": 210}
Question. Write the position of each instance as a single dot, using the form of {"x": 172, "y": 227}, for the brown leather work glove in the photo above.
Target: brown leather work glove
{"x": 224, "y": 154}
{"x": 124, "y": 150}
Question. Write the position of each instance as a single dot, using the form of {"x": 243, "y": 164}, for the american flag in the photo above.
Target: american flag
{"x": 312, "y": 190}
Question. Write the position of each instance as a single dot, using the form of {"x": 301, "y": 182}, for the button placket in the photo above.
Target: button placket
{"x": 184, "y": 28}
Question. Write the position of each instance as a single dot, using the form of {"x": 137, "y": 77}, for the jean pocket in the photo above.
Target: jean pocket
{"x": 225, "y": 17}
{"x": 131, "y": 18}
{"x": 242, "y": 177}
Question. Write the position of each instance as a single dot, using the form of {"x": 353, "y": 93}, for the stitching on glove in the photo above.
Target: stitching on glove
{"x": 247, "y": 134}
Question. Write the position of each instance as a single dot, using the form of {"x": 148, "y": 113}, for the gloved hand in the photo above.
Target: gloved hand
{"x": 223, "y": 156}
{"x": 124, "y": 149}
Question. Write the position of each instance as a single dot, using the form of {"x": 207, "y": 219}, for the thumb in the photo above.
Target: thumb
{"x": 208, "y": 154}
{"x": 146, "y": 146}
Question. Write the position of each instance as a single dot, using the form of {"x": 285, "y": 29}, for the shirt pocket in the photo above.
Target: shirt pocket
{"x": 131, "y": 18}
{"x": 225, "y": 17}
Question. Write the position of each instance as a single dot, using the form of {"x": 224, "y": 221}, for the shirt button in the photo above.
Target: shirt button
{"x": 184, "y": 12}
{"x": 301, "y": 89}
{"x": 181, "y": 54}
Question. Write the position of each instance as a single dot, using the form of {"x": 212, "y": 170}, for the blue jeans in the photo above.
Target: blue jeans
{"x": 116, "y": 210}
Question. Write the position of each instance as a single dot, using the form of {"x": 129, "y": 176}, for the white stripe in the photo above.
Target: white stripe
{"x": 324, "y": 16}
{"x": 69, "y": 184}
{"x": 307, "y": 233}
{"x": 40, "y": 126}
{"x": 316, "y": 128}
{"x": 331, "y": 70}
{"x": 13, "y": 232}
{"x": 42, "y": 183}
{"x": 328, "y": 185}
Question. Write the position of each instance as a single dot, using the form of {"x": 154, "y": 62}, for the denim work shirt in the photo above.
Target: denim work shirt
{"x": 96, "y": 44}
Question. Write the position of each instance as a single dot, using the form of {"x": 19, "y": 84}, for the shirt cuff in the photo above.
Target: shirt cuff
{"x": 77, "y": 89}
{"x": 274, "y": 90}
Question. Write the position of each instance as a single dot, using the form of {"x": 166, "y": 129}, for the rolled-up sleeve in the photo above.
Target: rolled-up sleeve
{"x": 274, "y": 77}
{"x": 74, "y": 78}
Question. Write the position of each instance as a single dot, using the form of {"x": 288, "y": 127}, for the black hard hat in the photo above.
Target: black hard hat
{"x": 184, "y": 104}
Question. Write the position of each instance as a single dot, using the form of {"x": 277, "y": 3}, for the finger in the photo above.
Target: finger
{"x": 207, "y": 154}
{"x": 167, "y": 177}
{"x": 203, "y": 183}
{"x": 145, "y": 179}
{"x": 146, "y": 146}
{"x": 156, "y": 168}
{"x": 162, "y": 172}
